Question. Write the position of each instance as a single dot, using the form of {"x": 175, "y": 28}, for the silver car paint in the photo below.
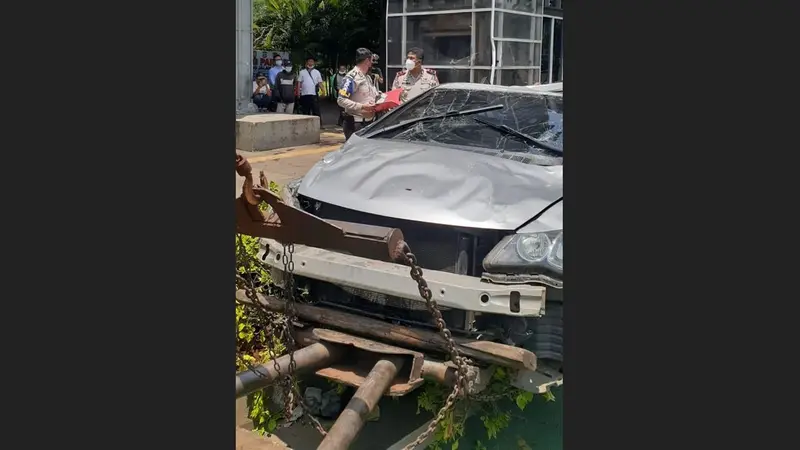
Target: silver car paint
{"x": 432, "y": 184}
{"x": 550, "y": 220}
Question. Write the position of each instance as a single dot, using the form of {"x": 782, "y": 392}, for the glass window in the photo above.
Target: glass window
{"x": 394, "y": 38}
{"x": 516, "y": 54}
{"x": 546, "y": 50}
{"x": 536, "y": 31}
{"x": 483, "y": 3}
{"x": 536, "y": 115}
{"x": 516, "y": 5}
{"x": 554, "y": 8}
{"x": 444, "y": 38}
{"x": 452, "y": 75}
{"x": 482, "y": 75}
{"x": 558, "y": 51}
{"x": 395, "y": 6}
{"x": 483, "y": 40}
{"x": 509, "y": 25}
{"x": 437, "y": 5}
{"x": 515, "y": 77}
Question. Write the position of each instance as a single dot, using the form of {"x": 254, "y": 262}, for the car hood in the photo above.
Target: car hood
{"x": 432, "y": 184}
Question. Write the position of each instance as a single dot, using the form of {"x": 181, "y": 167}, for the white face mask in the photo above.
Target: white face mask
{"x": 342, "y": 72}
{"x": 410, "y": 64}
{"x": 278, "y": 62}
{"x": 287, "y": 69}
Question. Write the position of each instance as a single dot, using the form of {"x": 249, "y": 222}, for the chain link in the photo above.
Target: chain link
{"x": 288, "y": 386}
{"x": 460, "y": 362}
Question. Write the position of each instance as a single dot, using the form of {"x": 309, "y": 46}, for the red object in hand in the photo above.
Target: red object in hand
{"x": 392, "y": 100}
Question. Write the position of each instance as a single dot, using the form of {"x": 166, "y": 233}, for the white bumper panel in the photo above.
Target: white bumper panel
{"x": 449, "y": 290}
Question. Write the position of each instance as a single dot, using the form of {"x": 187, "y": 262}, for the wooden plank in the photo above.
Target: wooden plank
{"x": 489, "y": 352}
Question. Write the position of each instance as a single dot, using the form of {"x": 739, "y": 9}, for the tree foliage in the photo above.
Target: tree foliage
{"x": 329, "y": 30}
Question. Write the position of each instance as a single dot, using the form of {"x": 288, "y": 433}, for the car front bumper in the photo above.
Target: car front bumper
{"x": 449, "y": 290}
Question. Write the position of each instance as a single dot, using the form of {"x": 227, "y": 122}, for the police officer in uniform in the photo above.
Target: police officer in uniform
{"x": 358, "y": 94}
{"x": 415, "y": 79}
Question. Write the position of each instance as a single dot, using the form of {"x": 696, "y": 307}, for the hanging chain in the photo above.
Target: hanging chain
{"x": 284, "y": 330}
{"x": 460, "y": 362}
{"x": 288, "y": 337}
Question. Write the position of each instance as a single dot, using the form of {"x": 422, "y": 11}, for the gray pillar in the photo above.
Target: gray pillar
{"x": 244, "y": 56}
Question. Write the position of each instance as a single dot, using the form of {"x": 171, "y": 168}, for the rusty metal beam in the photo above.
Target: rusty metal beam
{"x": 352, "y": 419}
{"x": 288, "y": 224}
{"x": 402, "y": 336}
{"x": 313, "y": 357}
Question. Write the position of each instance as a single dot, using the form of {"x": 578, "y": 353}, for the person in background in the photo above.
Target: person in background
{"x": 261, "y": 92}
{"x": 338, "y": 82}
{"x": 339, "y": 77}
{"x": 310, "y": 79}
{"x": 277, "y": 66}
{"x": 415, "y": 79}
{"x": 358, "y": 94}
{"x": 375, "y": 71}
{"x": 284, "y": 89}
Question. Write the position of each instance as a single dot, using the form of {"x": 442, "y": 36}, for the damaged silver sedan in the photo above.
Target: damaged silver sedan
{"x": 472, "y": 174}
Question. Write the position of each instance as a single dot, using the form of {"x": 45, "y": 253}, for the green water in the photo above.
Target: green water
{"x": 538, "y": 427}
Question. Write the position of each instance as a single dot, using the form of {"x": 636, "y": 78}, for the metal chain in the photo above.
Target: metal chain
{"x": 289, "y": 390}
{"x": 460, "y": 362}
{"x": 288, "y": 338}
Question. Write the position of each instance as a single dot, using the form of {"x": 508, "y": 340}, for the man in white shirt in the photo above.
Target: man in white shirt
{"x": 310, "y": 79}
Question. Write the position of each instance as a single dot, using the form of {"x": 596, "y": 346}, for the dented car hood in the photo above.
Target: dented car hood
{"x": 432, "y": 184}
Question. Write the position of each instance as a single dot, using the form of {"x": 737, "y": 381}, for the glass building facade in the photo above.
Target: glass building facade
{"x": 459, "y": 39}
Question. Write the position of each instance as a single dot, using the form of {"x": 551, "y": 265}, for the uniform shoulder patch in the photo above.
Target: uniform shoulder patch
{"x": 402, "y": 72}
{"x": 348, "y": 86}
{"x": 430, "y": 71}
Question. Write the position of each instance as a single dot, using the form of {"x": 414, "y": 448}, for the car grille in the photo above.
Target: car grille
{"x": 437, "y": 247}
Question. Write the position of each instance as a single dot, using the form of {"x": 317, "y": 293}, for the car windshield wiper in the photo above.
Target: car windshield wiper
{"x": 525, "y": 137}
{"x": 437, "y": 116}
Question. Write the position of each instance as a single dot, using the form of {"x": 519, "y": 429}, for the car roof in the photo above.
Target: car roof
{"x": 538, "y": 89}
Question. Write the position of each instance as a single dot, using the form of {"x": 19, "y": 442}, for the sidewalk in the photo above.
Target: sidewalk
{"x": 286, "y": 164}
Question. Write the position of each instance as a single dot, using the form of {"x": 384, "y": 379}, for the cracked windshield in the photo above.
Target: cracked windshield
{"x": 511, "y": 124}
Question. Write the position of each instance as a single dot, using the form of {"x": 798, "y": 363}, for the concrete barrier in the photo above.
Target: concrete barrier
{"x": 260, "y": 132}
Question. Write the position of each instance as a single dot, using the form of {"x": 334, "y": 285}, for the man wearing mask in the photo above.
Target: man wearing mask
{"x": 310, "y": 79}
{"x": 284, "y": 89}
{"x": 277, "y": 66}
{"x": 415, "y": 79}
{"x": 339, "y": 77}
{"x": 358, "y": 94}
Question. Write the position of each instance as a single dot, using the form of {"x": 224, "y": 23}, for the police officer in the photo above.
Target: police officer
{"x": 415, "y": 79}
{"x": 358, "y": 94}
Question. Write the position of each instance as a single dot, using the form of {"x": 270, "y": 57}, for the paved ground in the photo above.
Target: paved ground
{"x": 286, "y": 164}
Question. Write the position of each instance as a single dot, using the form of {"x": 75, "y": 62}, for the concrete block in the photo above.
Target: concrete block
{"x": 260, "y": 132}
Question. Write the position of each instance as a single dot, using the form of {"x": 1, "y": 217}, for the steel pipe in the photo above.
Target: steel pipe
{"x": 351, "y": 420}
{"x": 313, "y": 357}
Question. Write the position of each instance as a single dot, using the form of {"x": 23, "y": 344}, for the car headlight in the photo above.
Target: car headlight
{"x": 528, "y": 253}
